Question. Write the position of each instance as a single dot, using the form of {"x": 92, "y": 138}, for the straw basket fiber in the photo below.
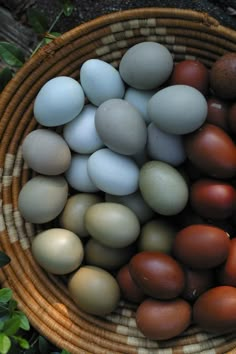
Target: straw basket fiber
{"x": 42, "y": 297}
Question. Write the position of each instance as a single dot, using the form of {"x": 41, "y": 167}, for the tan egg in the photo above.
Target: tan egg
{"x": 94, "y": 290}
{"x": 72, "y": 217}
{"x": 58, "y": 251}
{"x": 43, "y": 198}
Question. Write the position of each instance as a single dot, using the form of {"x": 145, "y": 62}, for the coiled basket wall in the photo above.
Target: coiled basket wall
{"x": 43, "y": 298}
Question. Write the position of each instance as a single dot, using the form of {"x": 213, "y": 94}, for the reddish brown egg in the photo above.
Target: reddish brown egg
{"x": 212, "y": 150}
{"x": 196, "y": 283}
{"x": 223, "y": 76}
{"x": 192, "y": 73}
{"x": 227, "y": 273}
{"x": 232, "y": 118}
{"x": 214, "y": 199}
{"x": 129, "y": 290}
{"x": 163, "y": 319}
{"x": 215, "y": 310}
{"x": 201, "y": 246}
{"x": 217, "y": 113}
{"x": 157, "y": 274}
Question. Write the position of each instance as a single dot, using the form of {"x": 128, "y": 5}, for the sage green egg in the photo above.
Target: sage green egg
{"x": 72, "y": 216}
{"x": 106, "y": 257}
{"x": 43, "y": 198}
{"x": 112, "y": 224}
{"x": 135, "y": 202}
{"x": 58, "y": 251}
{"x": 94, "y": 290}
{"x": 163, "y": 188}
{"x": 157, "y": 235}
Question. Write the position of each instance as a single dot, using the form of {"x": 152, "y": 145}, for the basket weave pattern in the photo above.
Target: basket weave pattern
{"x": 44, "y": 298}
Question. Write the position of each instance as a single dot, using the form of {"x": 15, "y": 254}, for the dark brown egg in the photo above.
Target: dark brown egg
{"x": 223, "y": 77}
{"x": 129, "y": 290}
{"x": 157, "y": 274}
{"x": 232, "y": 118}
{"x": 227, "y": 273}
{"x": 217, "y": 113}
{"x": 163, "y": 319}
{"x": 213, "y": 198}
{"x": 215, "y": 310}
{"x": 212, "y": 150}
{"x": 201, "y": 246}
{"x": 192, "y": 73}
{"x": 196, "y": 283}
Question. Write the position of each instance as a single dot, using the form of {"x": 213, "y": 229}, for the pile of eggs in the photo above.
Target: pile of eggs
{"x": 138, "y": 168}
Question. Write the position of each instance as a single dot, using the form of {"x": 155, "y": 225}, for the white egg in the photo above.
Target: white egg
{"x": 77, "y": 174}
{"x": 59, "y": 101}
{"x": 101, "y": 81}
{"x": 178, "y": 109}
{"x": 81, "y": 134}
{"x": 113, "y": 173}
{"x": 139, "y": 99}
{"x": 165, "y": 147}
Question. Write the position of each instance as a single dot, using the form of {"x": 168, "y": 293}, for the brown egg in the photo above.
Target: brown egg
{"x": 196, "y": 283}
{"x": 192, "y": 73}
{"x": 212, "y": 150}
{"x": 201, "y": 246}
{"x": 217, "y": 113}
{"x": 163, "y": 319}
{"x": 227, "y": 273}
{"x": 223, "y": 77}
{"x": 215, "y": 310}
{"x": 232, "y": 118}
{"x": 157, "y": 274}
{"x": 213, "y": 198}
{"x": 129, "y": 290}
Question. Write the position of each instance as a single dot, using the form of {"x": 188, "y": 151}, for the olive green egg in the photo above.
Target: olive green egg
{"x": 58, "y": 251}
{"x": 163, "y": 188}
{"x": 94, "y": 290}
{"x": 135, "y": 202}
{"x": 112, "y": 224}
{"x": 106, "y": 257}
{"x": 157, "y": 235}
{"x": 72, "y": 217}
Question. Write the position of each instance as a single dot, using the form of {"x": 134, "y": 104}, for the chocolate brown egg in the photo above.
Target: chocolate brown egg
{"x": 157, "y": 274}
{"x": 163, "y": 319}
{"x": 212, "y": 150}
{"x": 213, "y": 198}
{"x": 217, "y": 113}
{"x": 201, "y": 246}
{"x": 215, "y": 310}
{"x": 129, "y": 290}
{"x": 223, "y": 77}
{"x": 228, "y": 270}
{"x": 192, "y": 73}
{"x": 232, "y": 118}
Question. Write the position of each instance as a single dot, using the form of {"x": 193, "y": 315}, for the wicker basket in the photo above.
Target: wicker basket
{"x": 43, "y": 298}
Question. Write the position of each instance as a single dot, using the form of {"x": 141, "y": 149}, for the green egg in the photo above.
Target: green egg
{"x": 163, "y": 188}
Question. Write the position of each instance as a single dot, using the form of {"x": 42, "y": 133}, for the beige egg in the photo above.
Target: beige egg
{"x": 105, "y": 257}
{"x": 72, "y": 217}
{"x": 42, "y": 198}
{"x": 112, "y": 224}
{"x": 46, "y": 152}
{"x": 58, "y": 251}
{"x": 94, "y": 290}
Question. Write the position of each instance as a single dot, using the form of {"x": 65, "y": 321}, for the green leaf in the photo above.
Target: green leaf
{"x": 11, "y": 54}
{"x": 5, "y": 295}
{"x": 44, "y": 346}
{"x": 65, "y": 352}
{"x": 12, "y": 306}
{"x": 5, "y": 343}
{"x": 67, "y": 7}
{"x": 5, "y": 76}
{"x": 23, "y": 343}
{"x": 24, "y": 322}
{"x": 50, "y": 37}
{"x": 11, "y": 326}
{"x": 37, "y": 20}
